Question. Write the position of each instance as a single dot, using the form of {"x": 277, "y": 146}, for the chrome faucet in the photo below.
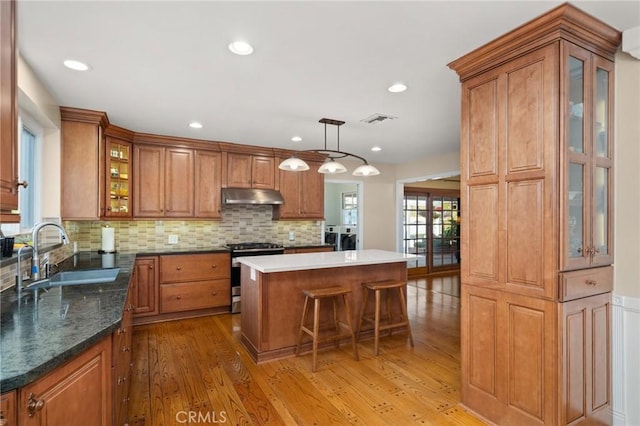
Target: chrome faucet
{"x": 35, "y": 265}
{"x": 19, "y": 271}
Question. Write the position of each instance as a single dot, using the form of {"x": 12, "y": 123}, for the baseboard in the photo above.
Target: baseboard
{"x": 625, "y": 369}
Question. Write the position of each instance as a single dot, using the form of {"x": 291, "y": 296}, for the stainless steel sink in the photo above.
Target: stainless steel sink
{"x": 66, "y": 278}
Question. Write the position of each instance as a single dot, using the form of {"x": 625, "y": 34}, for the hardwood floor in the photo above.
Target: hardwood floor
{"x": 196, "y": 372}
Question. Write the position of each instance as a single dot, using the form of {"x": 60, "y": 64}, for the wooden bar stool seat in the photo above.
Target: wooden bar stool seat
{"x": 334, "y": 332}
{"x": 377, "y": 287}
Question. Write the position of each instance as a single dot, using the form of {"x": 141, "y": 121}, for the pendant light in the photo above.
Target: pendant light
{"x": 330, "y": 166}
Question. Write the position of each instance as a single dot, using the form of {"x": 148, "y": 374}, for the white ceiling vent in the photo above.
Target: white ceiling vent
{"x": 377, "y": 118}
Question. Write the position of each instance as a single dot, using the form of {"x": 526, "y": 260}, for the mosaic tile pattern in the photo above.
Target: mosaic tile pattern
{"x": 239, "y": 224}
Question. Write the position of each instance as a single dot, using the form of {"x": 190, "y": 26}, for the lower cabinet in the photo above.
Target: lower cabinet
{"x": 121, "y": 368}
{"x": 144, "y": 286}
{"x": 8, "y": 413}
{"x": 77, "y": 393}
{"x": 308, "y": 249}
{"x": 508, "y": 344}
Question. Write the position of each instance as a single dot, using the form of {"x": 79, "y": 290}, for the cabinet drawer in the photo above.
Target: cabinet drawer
{"x": 194, "y": 267}
{"x": 585, "y": 282}
{"x": 180, "y": 297}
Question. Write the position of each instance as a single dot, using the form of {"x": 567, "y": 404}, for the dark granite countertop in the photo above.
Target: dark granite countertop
{"x": 36, "y": 337}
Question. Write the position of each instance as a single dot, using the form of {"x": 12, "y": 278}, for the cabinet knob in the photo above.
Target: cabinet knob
{"x": 121, "y": 380}
{"x": 150, "y": 266}
{"x": 179, "y": 268}
{"x": 579, "y": 249}
{"x": 178, "y": 297}
{"x": 591, "y": 282}
{"x": 215, "y": 293}
{"x": 214, "y": 266}
{"x": 34, "y": 405}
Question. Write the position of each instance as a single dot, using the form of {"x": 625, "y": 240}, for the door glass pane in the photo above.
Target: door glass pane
{"x": 601, "y": 113}
{"x": 575, "y": 222}
{"x": 576, "y": 105}
{"x": 601, "y": 219}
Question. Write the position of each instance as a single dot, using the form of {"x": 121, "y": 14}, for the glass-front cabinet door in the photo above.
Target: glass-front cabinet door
{"x": 118, "y": 179}
{"x": 586, "y": 216}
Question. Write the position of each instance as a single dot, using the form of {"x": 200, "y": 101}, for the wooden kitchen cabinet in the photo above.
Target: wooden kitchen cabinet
{"x": 250, "y": 171}
{"x": 77, "y": 393}
{"x": 191, "y": 282}
{"x": 8, "y": 114}
{"x": 8, "y": 409}
{"x": 118, "y": 178}
{"x": 163, "y": 184}
{"x": 82, "y": 164}
{"x": 121, "y": 357}
{"x": 537, "y": 157}
{"x": 208, "y": 181}
{"x": 145, "y": 286}
{"x": 303, "y": 194}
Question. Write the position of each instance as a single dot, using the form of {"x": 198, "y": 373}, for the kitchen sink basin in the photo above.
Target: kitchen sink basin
{"x": 66, "y": 278}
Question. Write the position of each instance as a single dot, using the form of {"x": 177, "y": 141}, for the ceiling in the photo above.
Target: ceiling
{"x": 158, "y": 65}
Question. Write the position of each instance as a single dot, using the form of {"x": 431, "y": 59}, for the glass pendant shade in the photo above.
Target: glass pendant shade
{"x": 294, "y": 164}
{"x": 331, "y": 166}
{"x": 366, "y": 170}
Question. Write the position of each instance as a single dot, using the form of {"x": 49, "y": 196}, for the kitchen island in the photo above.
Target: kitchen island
{"x": 272, "y": 300}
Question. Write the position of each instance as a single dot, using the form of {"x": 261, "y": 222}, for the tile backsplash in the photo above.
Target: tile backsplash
{"x": 239, "y": 224}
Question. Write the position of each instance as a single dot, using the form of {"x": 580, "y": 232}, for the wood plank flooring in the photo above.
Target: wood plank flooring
{"x": 195, "y": 371}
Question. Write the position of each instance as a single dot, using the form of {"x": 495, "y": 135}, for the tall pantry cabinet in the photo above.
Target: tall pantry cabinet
{"x": 537, "y": 193}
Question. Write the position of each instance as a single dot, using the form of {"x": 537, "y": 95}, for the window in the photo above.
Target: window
{"x": 415, "y": 225}
{"x": 29, "y": 153}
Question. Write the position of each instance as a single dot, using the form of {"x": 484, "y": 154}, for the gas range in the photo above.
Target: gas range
{"x": 239, "y": 248}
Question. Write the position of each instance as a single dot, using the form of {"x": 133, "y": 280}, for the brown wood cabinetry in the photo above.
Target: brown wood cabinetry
{"x": 144, "y": 288}
{"x": 163, "y": 184}
{"x": 83, "y": 164}
{"x": 77, "y": 393}
{"x": 208, "y": 181}
{"x": 536, "y": 157}
{"x": 8, "y": 114}
{"x": 308, "y": 249}
{"x": 191, "y": 282}
{"x": 8, "y": 409}
{"x": 121, "y": 357}
{"x": 250, "y": 171}
{"x": 303, "y": 194}
{"x": 118, "y": 178}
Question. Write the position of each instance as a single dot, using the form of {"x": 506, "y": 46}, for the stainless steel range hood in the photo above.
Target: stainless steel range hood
{"x": 251, "y": 196}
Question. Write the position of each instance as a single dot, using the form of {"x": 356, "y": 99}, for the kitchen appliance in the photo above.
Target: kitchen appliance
{"x": 243, "y": 250}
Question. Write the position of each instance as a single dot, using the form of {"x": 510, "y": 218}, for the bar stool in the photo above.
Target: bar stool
{"x": 339, "y": 329}
{"x": 376, "y": 287}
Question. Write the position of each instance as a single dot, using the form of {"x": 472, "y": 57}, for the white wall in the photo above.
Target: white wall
{"x": 36, "y": 100}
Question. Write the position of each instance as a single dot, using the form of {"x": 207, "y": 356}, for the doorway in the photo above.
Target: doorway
{"x": 343, "y": 215}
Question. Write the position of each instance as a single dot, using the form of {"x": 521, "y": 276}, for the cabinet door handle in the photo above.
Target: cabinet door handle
{"x": 23, "y": 184}
{"x": 34, "y": 405}
{"x": 591, "y": 282}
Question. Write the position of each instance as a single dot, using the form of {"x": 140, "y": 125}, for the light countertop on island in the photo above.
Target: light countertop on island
{"x": 334, "y": 259}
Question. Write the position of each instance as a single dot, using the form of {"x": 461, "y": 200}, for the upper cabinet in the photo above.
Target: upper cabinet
{"x": 9, "y": 183}
{"x": 250, "y": 171}
{"x": 83, "y": 164}
{"x": 303, "y": 194}
{"x": 208, "y": 181}
{"x": 118, "y": 178}
{"x": 163, "y": 186}
{"x": 587, "y": 196}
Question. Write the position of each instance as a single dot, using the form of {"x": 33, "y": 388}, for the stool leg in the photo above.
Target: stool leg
{"x": 316, "y": 326}
{"x": 353, "y": 337}
{"x": 335, "y": 322}
{"x": 302, "y": 322}
{"x": 363, "y": 308}
{"x": 376, "y": 324}
{"x": 403, "y": 307}
{"x": 387, "y": 293}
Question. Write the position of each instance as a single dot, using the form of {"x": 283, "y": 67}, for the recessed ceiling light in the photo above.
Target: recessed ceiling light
{"x": 296, "y": 139}
{"x": 397, "y": 88}
{"x": 76, "y": 65}
{"x": 195, "y": 125}
{"x": 376, "y": 149}
{"x": 241, "y": 48}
